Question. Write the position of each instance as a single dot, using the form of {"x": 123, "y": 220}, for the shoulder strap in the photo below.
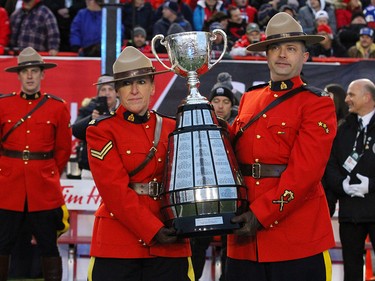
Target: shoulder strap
{"x": 271, "y": 105}
{"x": 153, "y": 149}
{"x": 44, "y": 99}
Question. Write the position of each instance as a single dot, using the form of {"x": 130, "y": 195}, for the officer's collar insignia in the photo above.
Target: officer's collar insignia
{"x": 324, "y": 126}
{"x": 100, "y": 154}
{"x": 31, "y": 97}
{"x": 92, "y": 122}
{"x": 281, "y": 85}
{"x": 285, "y": 198}
{"x": 137, "y": 119}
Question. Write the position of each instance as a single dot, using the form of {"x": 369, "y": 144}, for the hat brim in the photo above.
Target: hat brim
{"x": 20, "y": 67}
{"x": 134, "y": 76}
{"x": 262, "y": 46}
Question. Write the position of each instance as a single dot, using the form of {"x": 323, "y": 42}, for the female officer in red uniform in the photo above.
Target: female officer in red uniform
{"x": 130, "y": 241}
{"x": 287, "y": 231}
{"x": 35, "y": 147}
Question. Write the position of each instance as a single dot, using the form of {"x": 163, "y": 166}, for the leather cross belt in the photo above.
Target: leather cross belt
{"x": 259, "y": 170}
{"x": 151, "y": 188}
{"x": 27, "y": 155}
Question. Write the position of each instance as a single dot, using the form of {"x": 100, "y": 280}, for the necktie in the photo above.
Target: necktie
{"x": 359, "y": 147}
{"x": 360, "y": 124}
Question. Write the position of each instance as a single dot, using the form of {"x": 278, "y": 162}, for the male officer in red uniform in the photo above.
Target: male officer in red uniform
{"x": 287, "y": 231}
{"x": 127, "y": 154}
{"x": 35, "y": 147}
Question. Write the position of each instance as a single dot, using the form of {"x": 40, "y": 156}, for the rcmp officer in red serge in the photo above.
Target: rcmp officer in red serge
{"x": 35, "y": 147}
{"x": 127, "y": 154}
{"x": 282, "y": 155}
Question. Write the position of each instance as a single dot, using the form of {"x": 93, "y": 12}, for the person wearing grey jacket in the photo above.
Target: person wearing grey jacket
{"x": 307, "y": 13}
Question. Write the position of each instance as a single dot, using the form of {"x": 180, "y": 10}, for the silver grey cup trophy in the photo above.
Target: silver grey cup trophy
{"x": 202, "y": 186}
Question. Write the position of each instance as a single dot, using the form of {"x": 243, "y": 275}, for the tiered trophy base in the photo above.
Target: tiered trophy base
{"x": 207, "y": 225}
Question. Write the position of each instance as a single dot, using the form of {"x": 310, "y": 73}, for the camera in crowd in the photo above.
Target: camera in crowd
{"x": 101, "y": 105}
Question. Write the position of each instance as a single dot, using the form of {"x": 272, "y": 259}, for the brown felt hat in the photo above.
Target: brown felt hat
{"x": 131, "y": 64}
{"x": 284, "y": 28}
{"x": 29, "y": 58}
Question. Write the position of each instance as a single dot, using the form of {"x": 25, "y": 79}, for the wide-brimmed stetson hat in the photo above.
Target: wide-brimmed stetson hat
{"x": 284, "y": 28}
{"x": 131, "y": 64}
{"x": 29, "y": 58}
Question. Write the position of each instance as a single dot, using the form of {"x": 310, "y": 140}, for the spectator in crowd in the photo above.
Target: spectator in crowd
{"x": 369, "y": 13}
{"x": 36, "y": 145}
{"x": 289, "y": 9}
{"x": 204, "y": 10}
{"x": 86, "y": 30}
{"x": 236, "y": 24}
{"x": 344, "y": 10}
{"x": 64, "y": 11}
{"x": 329, "y": 47}
{"x": 306, "y": 15}
{"x": 224, "y": 79}
{"x": 171, "y": 15}
{"x": 321, "y": 17}
{"x": 138, "y": 13}
{"x": 222, "y": 99}
{"x": 219, "y": 43}
{"x": 287, "y": 231}
{"x": 34, "y": 25}
{"x": 248, "y": 12}
{"x": 365, "y": 47}
{"x": 93, "y": 111}
{"x": 4, "y": 30}
{"x": 124, "y": 167}
{"x": 266, "y": 11}
{"x": 349, "y": 174}
{"x": 252, "y": 35}
{"x": 184, "y": 9}
{"x": 139, "y": 40}
{"x": 349, "y": 35}
{"x": 219, "y": 17}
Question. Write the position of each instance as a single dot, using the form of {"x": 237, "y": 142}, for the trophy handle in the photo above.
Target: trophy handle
{"x": 162, "y": 41}
{"x": 225, "y": 45}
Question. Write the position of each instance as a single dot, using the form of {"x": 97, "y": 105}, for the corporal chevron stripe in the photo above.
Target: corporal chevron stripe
{"x": 102, "y": 153}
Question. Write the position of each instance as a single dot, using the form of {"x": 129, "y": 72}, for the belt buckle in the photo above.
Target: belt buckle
{"x": 255, "y": 170}
{"x": 25, "y": 155}
{"x": 153, "y": 189}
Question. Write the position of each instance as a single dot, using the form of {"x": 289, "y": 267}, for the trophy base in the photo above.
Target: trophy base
{"x": 207, "y": 225}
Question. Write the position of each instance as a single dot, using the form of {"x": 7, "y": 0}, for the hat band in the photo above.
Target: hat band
{"x": 131, "y": 73}
{"x": 285, "y": 35}
{"x": 30, "y": 62}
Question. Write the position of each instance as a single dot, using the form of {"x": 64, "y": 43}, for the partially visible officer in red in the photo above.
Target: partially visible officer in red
{"x": 127, "y": 152}
{"x": 282, "y": 155}
{"x": 35, "y": 147}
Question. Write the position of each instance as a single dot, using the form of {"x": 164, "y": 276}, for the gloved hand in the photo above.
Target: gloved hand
{"x": 249, "y": 222}
{"x": 347, "y": 187}
{"x": 166, "y": 235}
{"x": 361, "y": 189}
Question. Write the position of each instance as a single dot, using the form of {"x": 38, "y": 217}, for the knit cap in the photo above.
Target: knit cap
{"x": 105, "y": 78}
{"x": 222, "y": 92}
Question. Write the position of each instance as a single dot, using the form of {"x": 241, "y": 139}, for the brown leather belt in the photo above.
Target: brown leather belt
{"x": 151, "y": 188}
{"x": 27, "y": 155}
{"x": 259, "y": 170}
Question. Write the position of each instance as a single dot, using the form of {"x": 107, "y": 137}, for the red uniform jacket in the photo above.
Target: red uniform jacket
{"x": 126, "y": 222}
{"x": 292, "y": 208}
{"x": 37, "y": 181}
